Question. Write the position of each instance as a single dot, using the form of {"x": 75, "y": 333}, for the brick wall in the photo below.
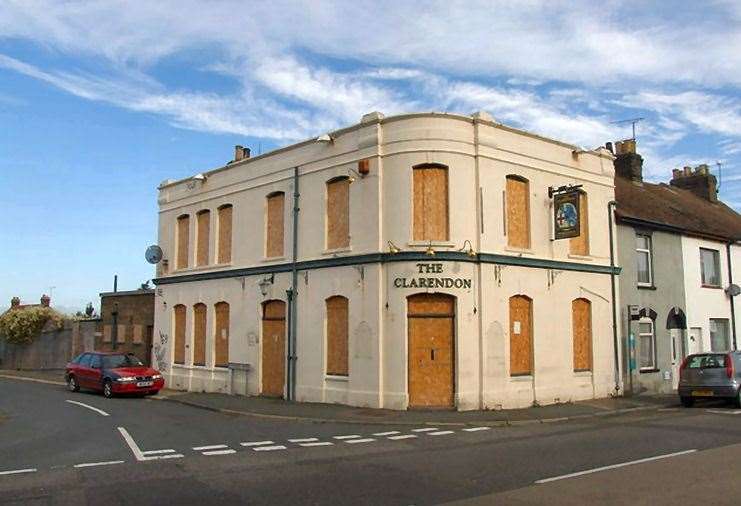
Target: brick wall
{"x": 127, "y": 322}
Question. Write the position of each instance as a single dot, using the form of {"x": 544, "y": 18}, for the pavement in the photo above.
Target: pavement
{"x": 278, "y": 409}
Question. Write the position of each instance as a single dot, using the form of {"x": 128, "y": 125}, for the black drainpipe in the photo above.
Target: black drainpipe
{"x": 730, "y": 282}
{"x": 292, "y": 296}
{"x": 610, "y": 206}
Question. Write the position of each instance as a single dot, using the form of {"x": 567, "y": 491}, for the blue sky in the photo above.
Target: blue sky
{"x": 102, "y": 100}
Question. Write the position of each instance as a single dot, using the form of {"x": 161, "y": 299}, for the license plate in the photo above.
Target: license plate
{"x": 145, "y": 383}
{"x": 702, "y": 393}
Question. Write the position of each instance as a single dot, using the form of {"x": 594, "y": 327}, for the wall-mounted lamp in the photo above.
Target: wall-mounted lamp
{"x": 325, "y": 138}
{"x": 430, "y": 252}
{"x": 266, "y": 283}
{"x": 470, "y": 251}
{"x": 393, "y": 248}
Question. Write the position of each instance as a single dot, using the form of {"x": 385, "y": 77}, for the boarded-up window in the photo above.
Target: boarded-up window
{"x": 221, "y": 339}
{"x": 225, "y": 234}
{"x": 199, "y": 334}
{"x": 203, "y": 219}
{"x": 179, "y": 334}
{"x": 274, "y": 223}
{"x": 182, "y": 240}
{"x": 579, "y": 245}
{"x": 430, "y": 203}
{"x": 518, "y": 212}
{"x": 121, "y": 333}
{"x": 107, "y": 332}
{"x": 337, "y": 336}
{"x": 138, "y": 333}
{"x": 338, "y": 213}
{"x": 520, "y": 335}
{"x": 581, "y": 317}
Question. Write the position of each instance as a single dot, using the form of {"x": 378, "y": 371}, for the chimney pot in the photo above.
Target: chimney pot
{"x": 676, "y": 173}
{"x": 608, "y": 147}
{"x": 699, "y": 181}
{"x": 628, "y": 163}
{"x": 15, "y": 302}
{"x": 241, "y": 153}
{"x": 45, "y": 300}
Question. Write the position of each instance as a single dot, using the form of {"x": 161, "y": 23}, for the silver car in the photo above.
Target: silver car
{"x": 714, "y": 375}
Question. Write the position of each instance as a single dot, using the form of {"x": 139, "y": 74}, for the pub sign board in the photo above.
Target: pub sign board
{"x": 566, "y": 214}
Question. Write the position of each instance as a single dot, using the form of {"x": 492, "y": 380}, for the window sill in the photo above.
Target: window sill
{"x": 715, "y": 287}
{"x": 273, "y": 259}
{"x": 336, "y": 251}
{"x": 521, "y": 377}
{"x": 521, "y": 251}
{"x": 334, "y": 377}
{"x": 434, "y": 244}
{"x": 646, "y": 287}
{"x": 648, "y": 371}
{"x": 583, "y": 374}
{"x": 588, "y": 258}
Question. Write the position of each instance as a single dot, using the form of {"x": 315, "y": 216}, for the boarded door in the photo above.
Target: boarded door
{"x": 431, "y": 351}
{"x": 179, "y": 353}
{"x": 199, "y": 334}
{"x": 520, "y": 335}
{"x": 581, "y": 320}
{"x": 273, "y": 348}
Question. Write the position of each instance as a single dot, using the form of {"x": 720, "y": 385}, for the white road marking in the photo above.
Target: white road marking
{"x": 132, "y": 444}
{"x": 440, "y": 433}
{"x": 476, "y": 429}
{"x": 320, "y": 443}
{"x": 212, "y": 447}
{"x": 257, "y": 443}
{"x": 220, "y": 452}
{"x": 352, "y": 436}
{"x": 426, "y": 429}
{"x": 389, "y": 433}
{"x": 615, "y": 466}
{"x": 365, "y": 440}
{"x": 93, "y": 464}
{"x": 158, "y": 452}
{"x": 724, "y": 412}
{"x": 19, "y": 471}
{"x": 403, "y": 436}
{"x": 304, "y": 440}
{"x": 269, "y": 448}
{"x": 99, "y": 411}
{"x": 169, "y": 456}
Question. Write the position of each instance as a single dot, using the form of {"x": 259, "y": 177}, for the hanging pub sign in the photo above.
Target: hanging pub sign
{"x": 566, "y": 214}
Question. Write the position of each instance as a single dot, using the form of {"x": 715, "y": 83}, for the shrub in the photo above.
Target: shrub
{"x": 21, "y": 326}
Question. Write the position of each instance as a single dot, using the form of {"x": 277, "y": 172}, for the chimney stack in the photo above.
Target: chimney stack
{"x": 699, "y": 181}
{"x": 241, "y": 153}
{"x": 15, "y": 303}
{"x": 628, "y": 163}
{"x": 45, "y": 300}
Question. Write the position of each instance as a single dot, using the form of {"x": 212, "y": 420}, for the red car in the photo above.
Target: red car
{"x": 112, "y": 373}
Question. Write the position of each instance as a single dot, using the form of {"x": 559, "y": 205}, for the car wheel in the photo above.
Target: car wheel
{"x": 108, "y": 389}
{"x": 687, "y": 402}
{"x": 72, "y": 384}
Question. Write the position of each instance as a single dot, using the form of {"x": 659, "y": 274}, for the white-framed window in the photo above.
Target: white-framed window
{"x": 643, "y": 258}
{"x": 710, "y": 267}
{"x": 646, "y": 344}
{"x": 719, "y": 335}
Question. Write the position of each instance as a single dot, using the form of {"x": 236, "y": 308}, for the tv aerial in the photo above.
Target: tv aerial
{"x": 153, "y": 254}
{"x": 632, "y": 122}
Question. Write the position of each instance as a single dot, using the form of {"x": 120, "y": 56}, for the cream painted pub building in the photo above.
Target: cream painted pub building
{"x": 402, "y": 262}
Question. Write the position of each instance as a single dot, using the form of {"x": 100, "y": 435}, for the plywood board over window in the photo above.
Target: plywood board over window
{"x": 338, "y": 213}
{"x": 520, "y": 335}
{"x": 337, "y": 336}
{"x": 199, "y": 334}
{"x": 430, "y": 187}
{"x": 203, "y": 220}
{"x": 273, "y": 348}
{"x": 221, "y": 339}
{"x": 581, "y": 318}
{"x": 179, "y": 352}
{"x": 274, "y": 223}
{"x": 183, "y": 233}
{"x": 579, "y": 245}
{"x": 518, "y": 212}
{"x": 225, "y": 234}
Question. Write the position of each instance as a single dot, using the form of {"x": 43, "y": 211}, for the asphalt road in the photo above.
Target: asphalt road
{"x": 147, "y": 451}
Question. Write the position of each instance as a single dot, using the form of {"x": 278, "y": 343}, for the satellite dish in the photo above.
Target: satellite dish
{"x": 733, "y": 290}
{"x": 153, "y": 254}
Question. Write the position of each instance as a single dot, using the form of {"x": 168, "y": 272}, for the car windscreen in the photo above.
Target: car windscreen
{"x": 116, "y": 361}
{"x": 709, "y": 361}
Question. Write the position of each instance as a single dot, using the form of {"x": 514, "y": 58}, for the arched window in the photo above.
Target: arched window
{"x": 581, "y": 321}
{"x": 274, "y": 224}
{"x": 337, "y": 335}
{"x": 179, "y": 334}
{"x": 430, "y": 221}
{"x": 203, "y": 231}
{"x": 183, "y": 233}
{"x": 520, "y": 335}
{"x": 579, "y": 245}
{"x": 338, "y": 213}
{"x": 221, "y": 339}
{"x": 518, "y": 212}
{"x": 225, "y": 234}
{"x": 199, "y": 334}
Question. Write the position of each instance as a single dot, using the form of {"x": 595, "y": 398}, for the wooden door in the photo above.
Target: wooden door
{"x": 520, "y": 336}
{"x": 430, "y": 320}
{"x": 273, "y": 348}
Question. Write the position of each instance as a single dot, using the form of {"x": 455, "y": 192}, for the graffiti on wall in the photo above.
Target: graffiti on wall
{"x": 160, "y": 352}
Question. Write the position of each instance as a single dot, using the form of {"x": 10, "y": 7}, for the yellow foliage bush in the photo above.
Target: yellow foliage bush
{"x": 21, "y": 326}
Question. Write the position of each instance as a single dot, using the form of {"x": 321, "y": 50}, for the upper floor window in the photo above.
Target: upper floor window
{"x": 710, "y": 267}
{"x": 224, "y": 255}
{"x": 430, "y": 222}
{"x": 643, "y": 257}
{"x": 274, "y": 225}
{"x": 647, "y": 343}
{"x": 203, "y": 221}
{"x": 338, "y": 213}
{"x": 579, "y": 245}
{"x": 183, "y": 231}
{"x": 518, "y": 212}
